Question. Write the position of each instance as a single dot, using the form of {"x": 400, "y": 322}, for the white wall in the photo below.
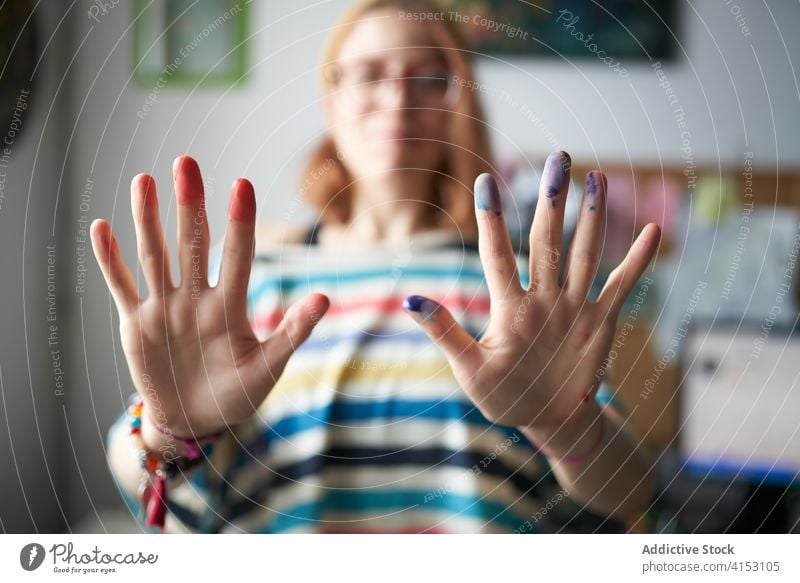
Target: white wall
{"x": 262, "y": 130}
{"x": 739, "y": 94}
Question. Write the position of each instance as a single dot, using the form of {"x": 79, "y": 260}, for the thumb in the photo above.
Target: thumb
{"x": 295, "y": 327}
{"x": 440, "y": 326}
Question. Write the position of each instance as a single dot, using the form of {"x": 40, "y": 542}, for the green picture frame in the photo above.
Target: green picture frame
{"x": 190, "y": 43}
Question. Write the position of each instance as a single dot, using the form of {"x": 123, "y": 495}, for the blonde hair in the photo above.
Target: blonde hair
{"x": 467, "y": 151}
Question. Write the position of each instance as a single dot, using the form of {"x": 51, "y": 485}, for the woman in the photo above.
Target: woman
{"x": 339, "y": 414}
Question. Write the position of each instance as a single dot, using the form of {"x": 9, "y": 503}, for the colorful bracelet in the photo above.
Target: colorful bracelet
{"x": 578, "y": 459}
{"x": 191, "y": 445}
{"x": 153, "y": 491}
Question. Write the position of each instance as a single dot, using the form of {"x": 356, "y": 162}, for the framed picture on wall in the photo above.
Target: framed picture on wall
{"x": 18, "y": 53}
{"x": 190, "y": 42}
{"x": 621, "y": 29}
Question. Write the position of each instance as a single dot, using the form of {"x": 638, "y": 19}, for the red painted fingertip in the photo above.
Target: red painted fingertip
{"x": 180, "y": 164}
{"x": 99, "y": 231}
{"x": 242, "y": 205}
{"x": 106, "y": 242}
{"x": 147, "y": 186}
{"x": 102, "y": 238}
{"x": 186, "y": 171}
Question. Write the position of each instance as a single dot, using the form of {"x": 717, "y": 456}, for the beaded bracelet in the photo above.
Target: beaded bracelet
{"x": 191, "y": 445}
{"x": 572, "y": 459}
{"x": 153, "y": 491}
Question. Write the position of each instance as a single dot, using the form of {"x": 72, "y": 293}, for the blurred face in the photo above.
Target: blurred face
{"x": 388, "y": 107}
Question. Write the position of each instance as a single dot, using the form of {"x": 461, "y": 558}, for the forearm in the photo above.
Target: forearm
{"x": 617, "y": 480}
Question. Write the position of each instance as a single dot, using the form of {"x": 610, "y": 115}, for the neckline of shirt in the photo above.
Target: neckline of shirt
{"x": 425, "y": 240}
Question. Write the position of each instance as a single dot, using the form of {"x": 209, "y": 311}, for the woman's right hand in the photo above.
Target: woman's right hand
{"x": 191, "y": 349}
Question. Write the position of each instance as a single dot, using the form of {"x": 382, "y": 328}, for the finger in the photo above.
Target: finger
{"x": 193, "y": 238}
{"x": 494, "y": 243}
{"x": 548, "y": 222}
{"x": 117, "y": 275}
{"x": 150, "y": 243}
{"x": 294, "y": 329}
{"x": 237, "y": 253}
{"x": 584, "y": 253}
{"x": 622, "y": 280}
{"x": 440, "y": 326}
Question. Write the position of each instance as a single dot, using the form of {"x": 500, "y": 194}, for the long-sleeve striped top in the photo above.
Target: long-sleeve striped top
{"x": 367, "y": 429}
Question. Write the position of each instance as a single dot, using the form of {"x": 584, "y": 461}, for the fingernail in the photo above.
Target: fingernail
{"x": 420, "y": 305}
{"x": 241, "y": 203}
{"x": 487, "y": 196}
{"x": 109, "y": 243}
{"x": 592, "y": 189}
{"x": 149, "y": 192}
{"x": 234, "y": 206}
{"x": 556, "y": 170}
{"x": 176, "y": 164}
{"x": 591, "y": 183}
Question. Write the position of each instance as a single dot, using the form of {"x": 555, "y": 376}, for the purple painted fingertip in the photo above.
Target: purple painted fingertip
{"x": 421, "y": 305}
{"x": 592, "y": 189}
{"x": 487, "y": 195}
{"x": 556, "y": 173}
{"x": 591, "y": 183}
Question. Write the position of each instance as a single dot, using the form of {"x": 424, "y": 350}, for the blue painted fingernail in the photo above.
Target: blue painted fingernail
{"x": 487, "y": 196}
{"x": 556, "y": 171}
{"x": 420, "y": 305}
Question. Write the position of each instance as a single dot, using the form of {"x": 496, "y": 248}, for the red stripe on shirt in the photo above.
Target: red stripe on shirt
{"x": 460, "y": 303}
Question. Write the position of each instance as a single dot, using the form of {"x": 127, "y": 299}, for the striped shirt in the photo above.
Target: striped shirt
{"x": 367, "y": 429}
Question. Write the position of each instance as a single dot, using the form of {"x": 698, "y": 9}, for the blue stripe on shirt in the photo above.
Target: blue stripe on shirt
{"x": 392, "y": 502}
{"x": 288, "y": 283}
{"x": 363, "y": 336}
{"x": 346, "y": 459}
{"x": 348, "y": 412}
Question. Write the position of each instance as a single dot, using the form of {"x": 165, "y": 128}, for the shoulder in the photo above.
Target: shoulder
{"x": 272, "y": 235}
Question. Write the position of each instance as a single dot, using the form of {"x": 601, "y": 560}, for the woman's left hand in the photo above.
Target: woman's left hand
{"x": 543, "y": 354}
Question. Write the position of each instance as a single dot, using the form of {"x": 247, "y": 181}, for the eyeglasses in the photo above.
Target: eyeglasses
{"x": 427, "y": 86}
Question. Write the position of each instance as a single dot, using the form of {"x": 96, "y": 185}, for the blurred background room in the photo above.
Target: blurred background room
{"x": 689, "y": 107}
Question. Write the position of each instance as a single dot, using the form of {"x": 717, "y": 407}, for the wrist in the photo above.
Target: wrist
{"x": 576, "y": 440}
{"x": 166, "y": 446}
{"x": 161, "y": 457}
{"x": 159, "y": 441}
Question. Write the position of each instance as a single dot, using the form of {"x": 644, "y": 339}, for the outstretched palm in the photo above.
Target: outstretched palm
{"x": 544, "y": 350}
{"x": 191, "y": 349}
